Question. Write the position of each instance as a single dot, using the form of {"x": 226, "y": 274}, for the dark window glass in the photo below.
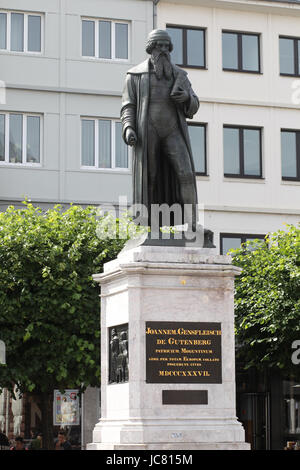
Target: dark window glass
{"x": 17, "y": 32}
{"x": 290, "y": 154}
{"x": 230, "y": 243}
{"x": 297, "y": 47}
{"x": 2, "y": 137}
{"x": 121, "y": 40}
{"x": 176, "y": 35}
{"x": 121, "y": 147}
{"x": 33, "y": 139}
{"x": 289, "y": 52}
{"x": 104, "y": 143}
{"x": 250, "y": 52}
{"x": 88, "y": 142}
{"x": 88, "y": 38}
{"x": 242, "y": 152}
{"x": 230, "y": 51}
{"x": 105, "y": 39}
{"x": 240, "y": 52}
{"x": 3, "y": 30}
{"x": 195, "y": 47}
{"x": 251, "y": 151}
{"x": 287, "y": 56}
{"x": 231, "y": 151}
{"x": 234, "y": 241}
{"x": 198, "y": 144}
{"x": 15, "y": 138}
{"x": 188, "y": 46}
{"x": 34, "y": 33}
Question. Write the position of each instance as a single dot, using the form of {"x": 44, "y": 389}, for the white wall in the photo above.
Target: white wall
{"x": 233, "y": 204}
{"x": 63, "y": 86}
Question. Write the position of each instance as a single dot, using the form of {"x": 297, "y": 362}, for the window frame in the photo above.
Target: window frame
{"x": 295, "y": 39}
{"x": 293, "y": 178}
{"x": 241, "y": 152}
{"x": 24, "y": 162}
{"x": 25, "y": 32}
{"x": 242, "y": 236}
{"x": 113, "y": 168}
{"x": 113, "y": 39}
{"x": 204, "y": 125}
{"x": 240, "y": 51}
{"x": 184, "y": 29}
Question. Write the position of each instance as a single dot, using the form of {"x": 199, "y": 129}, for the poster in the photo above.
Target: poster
{"x": 66, "y": 408}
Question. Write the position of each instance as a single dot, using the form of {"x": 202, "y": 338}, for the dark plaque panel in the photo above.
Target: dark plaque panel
{"x": 118, "y": 354}
{"x": 184, "y": 397}
{"x": 183, "y": 352}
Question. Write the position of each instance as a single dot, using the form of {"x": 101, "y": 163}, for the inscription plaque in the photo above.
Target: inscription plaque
{"x": 183, "y": 352}
{"x": 184, "y": 397}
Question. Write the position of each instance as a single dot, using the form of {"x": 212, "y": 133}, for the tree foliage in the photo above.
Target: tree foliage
{"x": 267, "y": 300}
{"x": 49, "y": 304}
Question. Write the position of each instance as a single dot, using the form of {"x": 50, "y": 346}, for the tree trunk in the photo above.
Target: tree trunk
{"x": 47, "y": 420}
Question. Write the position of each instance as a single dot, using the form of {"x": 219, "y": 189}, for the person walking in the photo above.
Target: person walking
{"x": 4, "y": 442}
{"x": 19, "y": 444}
{"x": 36, "y": 443}
{"x": 62, "y": 443}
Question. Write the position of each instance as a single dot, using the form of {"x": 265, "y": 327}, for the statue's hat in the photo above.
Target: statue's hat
{"x": 159, "y": 35}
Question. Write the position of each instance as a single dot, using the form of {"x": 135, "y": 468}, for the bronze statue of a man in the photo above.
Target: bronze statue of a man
{"x": 157, "y": 99}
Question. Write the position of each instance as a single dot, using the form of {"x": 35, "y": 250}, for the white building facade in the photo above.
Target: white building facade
{"x": 63, "y": 63}
{"x": 244, "y": 68}
{"x": 63, "y": 66}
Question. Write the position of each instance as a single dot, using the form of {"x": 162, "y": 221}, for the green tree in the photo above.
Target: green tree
{"x": 267, "y": 300}
{"x": 49, "y": 304}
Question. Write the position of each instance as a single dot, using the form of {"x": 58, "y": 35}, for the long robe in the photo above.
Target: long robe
{"x": 134, "y": 113}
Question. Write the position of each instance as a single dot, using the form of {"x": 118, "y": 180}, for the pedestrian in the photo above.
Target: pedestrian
{"x": 19, "y": 444}
{"x": 36, "y": 443}
{"x": 62, "y": 443}
{"x": 4, "y": 442}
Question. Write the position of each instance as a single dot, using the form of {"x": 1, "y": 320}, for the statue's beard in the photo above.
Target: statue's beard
{"x": 161, "y": 64}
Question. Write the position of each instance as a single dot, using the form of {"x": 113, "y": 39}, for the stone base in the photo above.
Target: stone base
{"x": 167, "y": 284}
{"x": 172, "y": 447}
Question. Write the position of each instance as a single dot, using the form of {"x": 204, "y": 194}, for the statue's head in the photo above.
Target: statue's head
{"x": 159, "y": 46}
{"x": 158, "y": 38}
{"x": 123, "y": 335}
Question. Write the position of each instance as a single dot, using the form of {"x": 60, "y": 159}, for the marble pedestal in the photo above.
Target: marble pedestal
{"x": 166, "y": 284}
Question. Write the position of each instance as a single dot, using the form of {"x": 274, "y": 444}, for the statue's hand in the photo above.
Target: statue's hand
{"x": 130, "y": 137}
{"x": 180, "y": 96}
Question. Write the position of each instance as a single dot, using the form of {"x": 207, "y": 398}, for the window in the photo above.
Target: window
{"x": 189, "y": 46}
{"x": 20, "y": 138}
{"x": 242, "y": 152}
{"x": 197, "y": 134}
{"x": 290, "y": 154}
{"x": 289, "y": 49}
{"x": 20, "y": 32}
{"x": 105, "y": 39}
{"x": 230, "y": 241}
{"x": 241, "y": 52}
{"x": 102, "y": 145}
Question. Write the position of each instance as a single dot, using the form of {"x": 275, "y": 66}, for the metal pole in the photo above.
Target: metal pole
{"x": 155, "y": 3}
{"x": 7, "y": 413}
{"x": 82, "y": 418}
